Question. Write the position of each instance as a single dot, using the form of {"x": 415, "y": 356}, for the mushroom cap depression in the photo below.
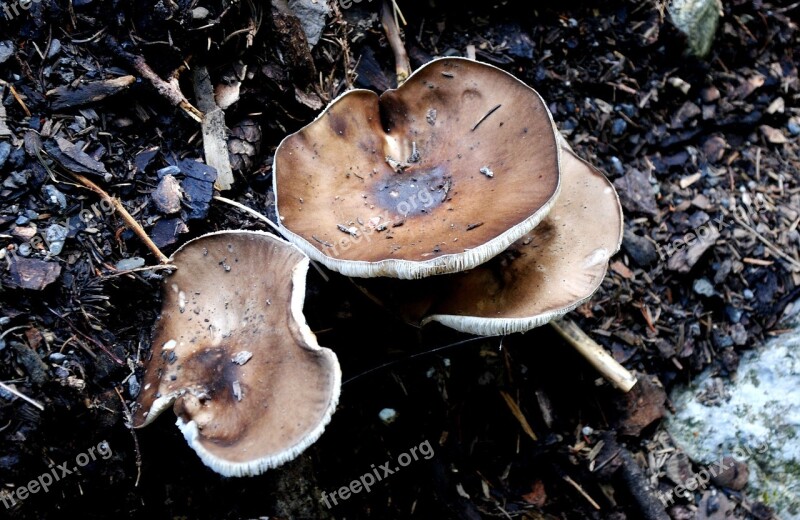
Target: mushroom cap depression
{"x": 543, "y": 275}
{"x": 435, "y": 177}
{"x": 250, "y": 385}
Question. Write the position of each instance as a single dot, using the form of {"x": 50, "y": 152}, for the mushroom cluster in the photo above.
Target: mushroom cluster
{"x": 459, "y": 173}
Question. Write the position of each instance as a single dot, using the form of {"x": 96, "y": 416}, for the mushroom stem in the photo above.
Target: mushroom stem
{"x": 615, "y": 373}
{"x": 389, "y": 21}
{"x": 127, "y": 217}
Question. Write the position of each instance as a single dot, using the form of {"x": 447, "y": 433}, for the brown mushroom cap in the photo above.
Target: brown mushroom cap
{"x": 250, "y": 385}
{"x": 545, "y": 274}
{"x": 434, "y": 177}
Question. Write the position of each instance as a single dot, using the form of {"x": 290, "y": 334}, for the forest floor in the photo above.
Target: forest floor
{"x": 687, "y": 143}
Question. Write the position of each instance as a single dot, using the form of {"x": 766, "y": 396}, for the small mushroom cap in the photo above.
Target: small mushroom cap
{"x": 545, "y": 274}
{"x": 250, "y": 385}
{"x": 434, "y": 177}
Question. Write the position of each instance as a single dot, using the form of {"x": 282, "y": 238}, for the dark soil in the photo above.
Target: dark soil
{"x": 686, "y": 141}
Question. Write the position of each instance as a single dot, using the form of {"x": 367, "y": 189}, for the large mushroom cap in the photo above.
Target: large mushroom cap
{"x": 435, "y": 177}
{"x": 545, "y": 274}
{"x": 250, "y": 385}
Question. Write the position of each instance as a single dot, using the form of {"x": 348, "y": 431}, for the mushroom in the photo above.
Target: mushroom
{"x": 232, "y": 351}
{"x": 543, "y": 275}
{"x": 435, "y": 177}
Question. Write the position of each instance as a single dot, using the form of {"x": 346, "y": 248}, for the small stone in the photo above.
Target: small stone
{"x": 56, "y": 236}
{"x": 636, "y": 192}
{"x": 133, "y": 386}
{"x": 738, "y": 334}
{"x": 56, "y": 357}
{"x": 5, "y": 151}
{"x": 54, "y": 196}
{"x": 619, "y": 126}
{"x": 16, "y": 180}
{"x": 55, "y": 48}
{"x": 686, "y": 113}
{"x": 710, "y": 94}
{"x": 640, "y": 407}
{"x": 616, "y": 164}
{"x": 167, "y": 196}
{"x": 773, "y": 135}
{"x": 200, "y": 13}
{"x": 714, "y": 148}
{"x": 698, "y": 20}
{"x": 678, "y": 468}
{"x": 29, "y": 273}
{"x": 24, "y": 249}
{"x": 169, "y": 170}
{"x": 703, "y": 287}
{"x": 6, "y": 50}
{"x": 22, "y": 220}
{"x": 734, "y": 476}
{"x": 127, "y": 264}
{"x": 312, "y": 15}
{"x": 793, "y": 126}
{"x": 165, "y": 232}
{"x": 24, "y": 232}
{"x": 641, "y": 250}
{"x": 388, "y": 415}
{"x": 734, "y": 314}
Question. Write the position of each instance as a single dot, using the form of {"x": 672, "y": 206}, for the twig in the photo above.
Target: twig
{"x": 22, "y": 396}
{"x": 490, "y": 112}
{"x": 77, "y": 331}
{"x": 169, "y": 90}
{"x": 139, "y": 270}
{"x": 267, "y": 221}
{"x": 129, "y": 423}
{"x": 16, "y": 96}
{"x": 412, "y": 356}
{"x": 515, "y": 409}
{"x": 251, "y": 212}
{"x": 577, "y": 486}
{"x": 594, "y": 354}
{"x": 402, "y": 64}
{"x": 129, "y": 220}
{"x": 12, "y": 329}
{"x": 767, "y": 243}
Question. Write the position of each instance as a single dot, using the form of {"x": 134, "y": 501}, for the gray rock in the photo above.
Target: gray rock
{"x": 312, "y": 15}
{"x": 133, "y": 386}
{"x": 755, "y": 418}
{"x": 703, "y": 287}
{"x": 125, "y": 264}
{"x": 698, "y": 20}
{"x": 56, "y": 236}
{"x": 54, "y": 196}
{"x": 6, "y": 50}
{"x": 167, "y": 196}
{"x": 641, "y": 250}
{"x": 5, "y": 151}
